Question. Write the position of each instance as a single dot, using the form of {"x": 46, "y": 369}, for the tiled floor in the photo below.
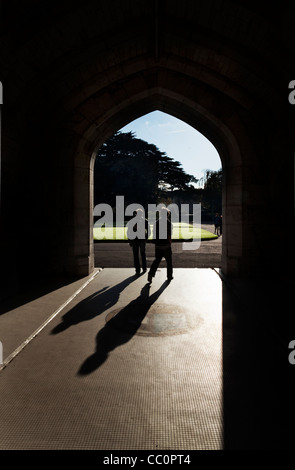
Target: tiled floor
{"x": 122, "y": 366}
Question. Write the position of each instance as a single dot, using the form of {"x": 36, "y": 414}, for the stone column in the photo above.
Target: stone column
{"x": 81, "y": 252}
{"x": 232, "y": 234}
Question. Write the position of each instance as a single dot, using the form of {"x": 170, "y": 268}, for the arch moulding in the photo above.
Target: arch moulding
{"x": 218, "y": 132}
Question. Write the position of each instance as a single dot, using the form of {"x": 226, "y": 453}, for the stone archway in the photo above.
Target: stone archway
{"x": 195, "y": 116}
{"x": 74, "y": 73}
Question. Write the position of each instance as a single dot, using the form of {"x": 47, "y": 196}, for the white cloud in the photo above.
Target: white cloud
{"x": 170, "y": 128}
{"x": 164, "y": 124}
{"x": 180, "y": 131}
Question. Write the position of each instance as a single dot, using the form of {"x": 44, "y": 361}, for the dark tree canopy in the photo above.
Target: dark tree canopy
{"x": 128, "y": 166}
{"x": 211, "y": 196}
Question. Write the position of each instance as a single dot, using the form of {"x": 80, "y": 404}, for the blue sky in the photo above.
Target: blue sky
{"x": 178, "y": 140}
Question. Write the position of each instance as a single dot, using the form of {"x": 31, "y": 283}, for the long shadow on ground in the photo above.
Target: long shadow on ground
{"x": 121, "y": 328}
{"x": 93, "y": 305}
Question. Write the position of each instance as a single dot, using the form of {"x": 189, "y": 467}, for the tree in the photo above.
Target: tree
{"x": 128, "y": 166}
{"x": 172, "y": 176}
{"x": 213, "y": 181}
{"x": 212, "y": 193}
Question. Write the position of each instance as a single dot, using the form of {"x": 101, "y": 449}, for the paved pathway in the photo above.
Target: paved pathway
{"x": 108, "y": 363}
{"x": 185, "y": 255}
{"x": 123, "y": 365}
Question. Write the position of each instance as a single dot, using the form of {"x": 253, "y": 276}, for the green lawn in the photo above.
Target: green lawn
{"x": 181, "y": 232}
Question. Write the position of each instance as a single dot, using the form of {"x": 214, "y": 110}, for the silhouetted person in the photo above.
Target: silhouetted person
{"x": 138, "y": 244}
{"x": 162, "y": 237}
{"x": 217, "y": 222}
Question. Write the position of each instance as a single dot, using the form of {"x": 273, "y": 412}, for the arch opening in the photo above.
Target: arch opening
{"x": 158, "y": 135}
{"x": 195, "y": 115}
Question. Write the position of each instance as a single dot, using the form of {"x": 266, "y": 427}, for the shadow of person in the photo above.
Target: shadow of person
{"x": 93, "y": 305}
{"x": 121, "y": 327}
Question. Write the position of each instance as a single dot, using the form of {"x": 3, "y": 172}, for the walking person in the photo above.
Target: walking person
{"x": 162, "y": 237}
{"x": 139, "y": 244}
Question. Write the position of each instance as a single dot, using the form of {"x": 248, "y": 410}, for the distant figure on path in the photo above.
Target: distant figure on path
{"x": 162, "y": 237}
{"x": 138, "y": 244}
{"x": 217, "y": 223}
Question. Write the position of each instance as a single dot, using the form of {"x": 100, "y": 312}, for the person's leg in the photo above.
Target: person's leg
{"x": 143, "y": 255}
{"x": 155, "y": 264}
{"x": 168, "y": 257}
{"x": 135, "y": 248}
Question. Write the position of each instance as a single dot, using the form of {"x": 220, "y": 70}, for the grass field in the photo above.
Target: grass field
{"x": 181, "y": 232}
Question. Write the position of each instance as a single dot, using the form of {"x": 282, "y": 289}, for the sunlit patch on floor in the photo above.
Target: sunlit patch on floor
{"x": 160, "y": 320}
